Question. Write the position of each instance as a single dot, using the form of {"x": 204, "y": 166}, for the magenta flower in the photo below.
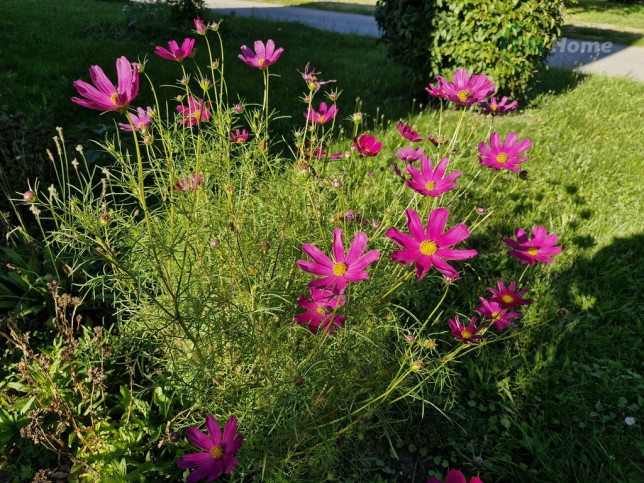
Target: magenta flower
{"x": 263, "y": 56}
{"x": 239, "y": 136}
{"x": 430, "y": 181}
{"x": 321, "y": 308}
{"x": 409, "y": 154}
{"x": 177, "y": 53}
{"x": 500, "y": 107}
{"x": 427, "y": 248}
{"x": 349, "y": 267}
{"x": 189, "y": 183}
{"x": 367, "y": 145}
{"x": 141, "y": 121}
{"x": 465, "y": 90}
{"x": 196, "y": 111}
{"x": 106, "y": 97}
{"x": 506, "y": 155}
{"x": 317, "y": 153}
{"x": 325, "y": 114}
{"x": 455, "y": 476}
{"x": 218, "y": 451}
{"x": 541, "y": 248}
{"x": 405, "y": 131}
{"x": 497, "y": 314}
{"x": 508, "y": 297}
{"x": 311, "y": 79}
{"x": 467, "y": 335}
{"x": 200, "y": 26}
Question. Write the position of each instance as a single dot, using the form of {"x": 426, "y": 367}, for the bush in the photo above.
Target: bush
{"x": 506, "y": 40}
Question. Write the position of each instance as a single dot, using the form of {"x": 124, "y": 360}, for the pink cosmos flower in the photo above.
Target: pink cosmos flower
{"x": 409, "y": 154}
{"x": 367, "y": 145}
{"x": 218, "y": 451}
{"x": 263, "y": 57}
{"x": 196, "y": 112}
{"x": 177, "y": 53}
{"x": 500, "y": 107}
{"x": 430, "y": 181}
{"x": 200, "y": 26}
{"x": 455, "y": 476}
{"x": 467, "y": 335}
{"x": 325, "y": 114}
{"x": 349, "y": 267}
{"x": 311, "y": 79}
{"x": 504, "y": 156}
{"x": 106, "y": 97}
{"x": 509, "y": 297}
{"x": 405, "y": 131}
{"x": 497, "y": 314}
{"x": 427, "y": 248}
{"x": 189, "y": 183}
{"x": 239, "y": 136}
{"x": 465, "y": 90}
{"x": 141, "y": 121}
{"x": 320, "y": 310}
{"x": 541, "y": 248}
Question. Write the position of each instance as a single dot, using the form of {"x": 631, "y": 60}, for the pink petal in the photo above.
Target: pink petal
{"x": 338, "y": 246}
{"x": 368, "y": 258}
{"x": 455, "y": 476}
{"x": 317, "y": 255}
{"x": 443, "y": 267}
{"x": 450, "y": 254}
{"x": 229, "y": 463}
{"x": 211, "y": 470}
{"x": 415, "y": 226}
{"x": 235, "y": 444}
{"x": 357, "y": 248}
{"x": 405, "y": 256}
{"x": 260, "y": 51}
{"x": 214, "y": 431}
{"x": 230, "y": 430}
{"x": 495, "y": 143}
{"x": 401, "y": 239}
{"x": 437, "y": 221}
{"x": 199, "y": 439}
{"x": 124, "y": 73}
{"x": 314, "y": 268}
{"x": 193, "y": 459}
{"x": 423, "y": 265}
{"x": 452, "y": 236}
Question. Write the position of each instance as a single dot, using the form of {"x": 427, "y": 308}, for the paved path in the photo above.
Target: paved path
{"x": 586, "y": 57}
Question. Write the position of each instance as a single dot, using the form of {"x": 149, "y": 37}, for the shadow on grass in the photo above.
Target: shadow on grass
{"x": 359, "y": 8}
{"x": 602, "y": 35}
{"x": 601, "y": 6}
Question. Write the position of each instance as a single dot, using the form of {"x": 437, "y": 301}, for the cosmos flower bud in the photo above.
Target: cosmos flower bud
{"x": 29, "y": 196}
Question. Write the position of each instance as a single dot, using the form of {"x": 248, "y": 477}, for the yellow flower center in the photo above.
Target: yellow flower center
{"x": 217, "y": 452}
{"x": 463, "y": 95}
{"x": 428, "y": 247}
{"x": 507, "y": 298}
{"x": 466, "y": 334}
{"x": 430, "y": 185}
{"x": 494, "y": 107}
{"x": 501, "y": 158}
{"x": 320, "y": 118}
{"x": 261, "y": 62}
{"x": 197, "y": 113}
{"x": 321, "y": 310}
{"x": 239, "y": 139}
{"x": 113, "y": 98}
{"x": 339, "y": 269}
{"x": 496, "y": 315}
{"x": 532, "y": 251}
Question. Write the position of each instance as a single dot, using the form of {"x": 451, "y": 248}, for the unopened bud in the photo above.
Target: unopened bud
{"x": 29, "y": 196}
{"x": 214, "y": 243}
{"x": 238, "y": 108}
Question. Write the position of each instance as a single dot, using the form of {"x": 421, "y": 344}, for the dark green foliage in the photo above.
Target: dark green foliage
{"x": 507, "y": 40}
{"x": 187, "y": 9}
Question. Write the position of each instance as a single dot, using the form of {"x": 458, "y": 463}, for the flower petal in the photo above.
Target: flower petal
{"x": 214, "y": 431}
{"x": 193, "y": 459}
{"x": 199, "y": 439}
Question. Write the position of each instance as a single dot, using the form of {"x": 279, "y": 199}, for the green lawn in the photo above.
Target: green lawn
{"x": 546, "y": 405}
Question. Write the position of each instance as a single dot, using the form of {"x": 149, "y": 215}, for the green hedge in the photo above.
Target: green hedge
{"x": 507, "y": 40}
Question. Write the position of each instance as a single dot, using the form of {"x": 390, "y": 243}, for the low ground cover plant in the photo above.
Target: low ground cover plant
{"x": 262, "y": 282}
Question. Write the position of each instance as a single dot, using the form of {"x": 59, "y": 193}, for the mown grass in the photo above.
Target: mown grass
{"x": 549, "y": 405}
{"x": 620, "y": 14}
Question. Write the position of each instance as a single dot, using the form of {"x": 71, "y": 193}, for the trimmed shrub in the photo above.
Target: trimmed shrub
{"x": 508, "y": 40}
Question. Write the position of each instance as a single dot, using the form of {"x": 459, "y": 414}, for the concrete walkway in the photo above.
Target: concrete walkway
{"x": 587, "y": 57}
